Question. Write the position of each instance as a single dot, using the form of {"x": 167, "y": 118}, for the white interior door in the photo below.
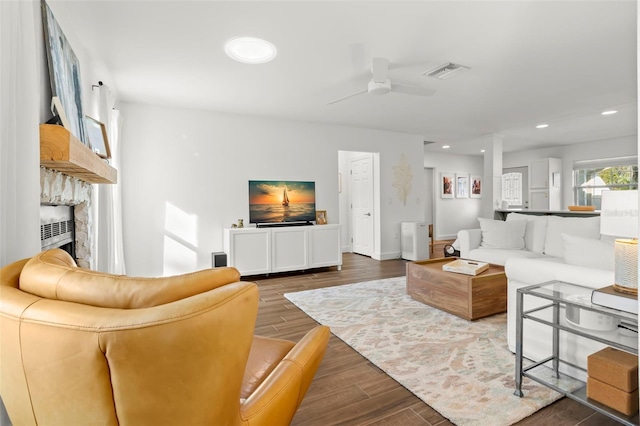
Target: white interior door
{"x": 361, "y": 180}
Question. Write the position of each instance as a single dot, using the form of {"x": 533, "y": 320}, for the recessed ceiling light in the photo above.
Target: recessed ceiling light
{"x": 249, "y": 50}
{"x": 482, "y": 150}
{"x": 612, "y": 111}
{"x": 541, "y": 126}
{"x": 446, "y": 146}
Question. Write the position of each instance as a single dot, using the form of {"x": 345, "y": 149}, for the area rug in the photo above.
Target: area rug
{"x": 462, "y": 369}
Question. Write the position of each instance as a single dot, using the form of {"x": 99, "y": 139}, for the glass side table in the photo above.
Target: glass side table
{"x": 560, "y": 298}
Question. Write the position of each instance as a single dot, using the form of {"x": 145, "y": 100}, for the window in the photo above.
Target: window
{"x": 592, "y": 177}
{"x": 512, "y": 189}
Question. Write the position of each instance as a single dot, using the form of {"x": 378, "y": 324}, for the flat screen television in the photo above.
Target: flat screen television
{"x": 281, "y": 201}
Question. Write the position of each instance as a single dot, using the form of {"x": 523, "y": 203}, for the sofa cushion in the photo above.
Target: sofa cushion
{"x": 589, "y": 252}
{"x": 586, "y": 227}
{"x": 500, "y": 256}
{"x": 499, "y": 234}
{"x": 535, "y": 232}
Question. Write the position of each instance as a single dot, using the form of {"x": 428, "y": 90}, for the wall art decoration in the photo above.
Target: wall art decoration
{"x": 403, "y": 179}
{"x": 462, "y": 185}
{"x": 64, "y": 74}
{"x": 446, "y": 185}
{"x": 476, "y": 186}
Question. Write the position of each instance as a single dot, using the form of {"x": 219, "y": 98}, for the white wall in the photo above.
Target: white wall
{"x": 185, "y": 175}
{"x": 609, "y": 148}
{"x": 453, "y": 214}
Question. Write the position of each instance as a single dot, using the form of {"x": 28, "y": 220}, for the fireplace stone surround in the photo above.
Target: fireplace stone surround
{"x": 57, "y": 188}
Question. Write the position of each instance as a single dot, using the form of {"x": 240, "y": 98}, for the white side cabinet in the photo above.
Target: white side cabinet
{"x": 324, "y": 246}
{"x": 263, "y": 250}
{"x": 248, "y": 250}
{"x": 545, "y": 184}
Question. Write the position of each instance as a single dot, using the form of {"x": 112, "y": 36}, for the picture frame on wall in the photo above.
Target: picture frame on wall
{"x": 462, "y": 185}
{"x": 446, "y": 185}
{"x": 64, "y": 75}
{"x": 476, "y": 186}
{"x": 97, "y": 134}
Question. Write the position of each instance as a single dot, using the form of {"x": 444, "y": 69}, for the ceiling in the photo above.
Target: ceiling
{"x": 531, "y": 62}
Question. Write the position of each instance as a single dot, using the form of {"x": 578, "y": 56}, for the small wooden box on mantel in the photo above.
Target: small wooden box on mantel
{"x": 61, "y": 151}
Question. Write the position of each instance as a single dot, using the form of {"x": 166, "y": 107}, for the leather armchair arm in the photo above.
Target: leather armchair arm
{"x": 277, "y": 398}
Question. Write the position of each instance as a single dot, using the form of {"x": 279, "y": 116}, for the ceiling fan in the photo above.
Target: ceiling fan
{"x": 380, "y": 83}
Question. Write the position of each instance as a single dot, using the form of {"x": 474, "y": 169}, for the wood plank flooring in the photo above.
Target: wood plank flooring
{"x": 348, "y": 389}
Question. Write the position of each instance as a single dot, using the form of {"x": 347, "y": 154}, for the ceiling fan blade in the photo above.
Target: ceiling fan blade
{"x": 380, "y": 70}
{"x": 347, "y": 97}
{"x": 412, "y": 90}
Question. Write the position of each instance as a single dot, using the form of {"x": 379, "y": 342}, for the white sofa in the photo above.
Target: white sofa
{"x": 547, "y": 248}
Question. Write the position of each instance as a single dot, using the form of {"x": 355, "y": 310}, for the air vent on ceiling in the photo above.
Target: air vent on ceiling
{"x": 445, "y": 71}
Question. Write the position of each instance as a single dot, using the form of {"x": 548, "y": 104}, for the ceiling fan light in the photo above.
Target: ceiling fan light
{"x": 377, "y": 88}
{"x": 250, "y": 50}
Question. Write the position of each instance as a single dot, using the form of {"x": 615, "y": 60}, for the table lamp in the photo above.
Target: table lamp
{"x": 619, "y": 218}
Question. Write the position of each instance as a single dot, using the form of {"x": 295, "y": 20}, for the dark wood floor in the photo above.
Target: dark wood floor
{"x": 348, "y": 389}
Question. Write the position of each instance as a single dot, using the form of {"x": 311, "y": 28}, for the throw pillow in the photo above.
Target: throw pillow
{"x": 586, "y": 227}
{"x": 501, "y": 234}
{"x": 535, "y": 232}
{"x": 589, "y": 252}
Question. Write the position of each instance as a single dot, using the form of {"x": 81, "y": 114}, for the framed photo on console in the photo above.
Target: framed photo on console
{"x": 321, "y": 217}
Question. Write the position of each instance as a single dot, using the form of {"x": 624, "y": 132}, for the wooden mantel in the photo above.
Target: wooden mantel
{"x": 60, "y": 150}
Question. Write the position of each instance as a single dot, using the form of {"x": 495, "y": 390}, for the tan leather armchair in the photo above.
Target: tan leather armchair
{"x": 82, "y": 347}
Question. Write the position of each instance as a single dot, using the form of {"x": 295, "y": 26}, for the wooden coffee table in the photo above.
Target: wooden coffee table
{"x": 467, "y": 296}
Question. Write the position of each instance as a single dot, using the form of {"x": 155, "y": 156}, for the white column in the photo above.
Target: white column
{"x": 492, "y": 191}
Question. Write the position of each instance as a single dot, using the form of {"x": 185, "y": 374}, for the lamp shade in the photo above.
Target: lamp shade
{"x": 619, "y": 213}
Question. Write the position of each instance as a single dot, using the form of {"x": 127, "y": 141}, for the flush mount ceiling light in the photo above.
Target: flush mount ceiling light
{"x": 612, "y": 111}
{"x": 541, "y": 126}
{"x": 445, "y": 71}
{"x": 446, "y": 146}
{"x": 249, "y": 50}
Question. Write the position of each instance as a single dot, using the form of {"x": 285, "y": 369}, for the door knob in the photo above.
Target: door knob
{"x": 367, "y": 214}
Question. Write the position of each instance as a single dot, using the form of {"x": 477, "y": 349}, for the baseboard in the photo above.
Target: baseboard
{"x": 386, "y": 256}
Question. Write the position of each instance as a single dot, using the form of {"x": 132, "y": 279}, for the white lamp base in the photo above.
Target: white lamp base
{"x": 626, "y": 264}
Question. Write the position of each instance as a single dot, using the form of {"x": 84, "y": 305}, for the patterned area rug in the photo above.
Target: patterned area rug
{"x": 462, "y": 369}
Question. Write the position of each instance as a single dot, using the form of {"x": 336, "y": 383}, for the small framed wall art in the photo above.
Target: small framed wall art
{"x": 476, "y": 186}
{"x": 462, "y": 185}
{"x": 98, "y": 141}
{"x": 446, "y": 185}
{"x": 321, "y": 217}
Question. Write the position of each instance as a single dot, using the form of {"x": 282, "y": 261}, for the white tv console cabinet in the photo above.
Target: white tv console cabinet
{"x": 256, "y": 251}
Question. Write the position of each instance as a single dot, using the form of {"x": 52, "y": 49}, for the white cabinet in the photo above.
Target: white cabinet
{"x": 545, "y": 184}
{"x": 324, "y": 246}
{"x": 289, "y": 249}
{"x": 248, "y": 249}
{"x": 263, "y": 250}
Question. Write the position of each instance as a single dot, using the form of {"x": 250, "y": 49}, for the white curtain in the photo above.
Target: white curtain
{"x": 20, "y": 24}
{"x": 109, "y": 251}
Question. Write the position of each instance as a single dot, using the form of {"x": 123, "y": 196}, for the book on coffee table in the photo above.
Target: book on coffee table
{"x": 610, "y": 298}
{"x": 467, "y": 267}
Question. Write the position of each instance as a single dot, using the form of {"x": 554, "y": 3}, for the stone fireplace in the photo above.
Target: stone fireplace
{"x": 59, "y": 189}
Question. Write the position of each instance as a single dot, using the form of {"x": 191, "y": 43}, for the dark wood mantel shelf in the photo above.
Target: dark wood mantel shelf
{"x": 60, "y": 150}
